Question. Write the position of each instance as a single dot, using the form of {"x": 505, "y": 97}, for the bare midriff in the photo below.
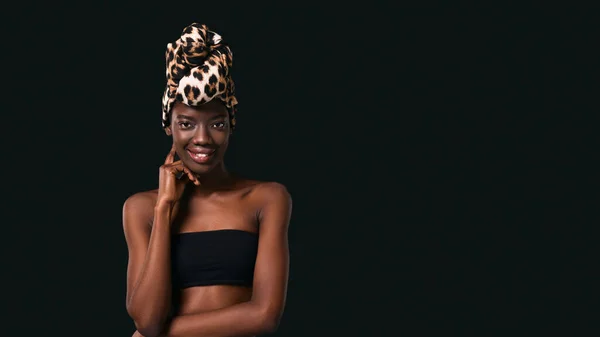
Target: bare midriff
{"x": 195, "y": 300}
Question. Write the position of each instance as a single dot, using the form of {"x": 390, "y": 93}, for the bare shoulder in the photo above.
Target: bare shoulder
{"x": 140, "y": 204}
{"x": 275, "y": 204}
{"x": 272, "y": 191}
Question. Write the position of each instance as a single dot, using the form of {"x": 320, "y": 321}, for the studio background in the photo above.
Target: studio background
{"x": 440, "y": 160}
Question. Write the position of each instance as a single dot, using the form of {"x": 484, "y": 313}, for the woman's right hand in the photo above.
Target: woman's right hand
{"x": 170, "y": 188}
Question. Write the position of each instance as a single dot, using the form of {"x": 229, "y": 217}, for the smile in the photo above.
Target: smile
{"x": 200, "y": 158}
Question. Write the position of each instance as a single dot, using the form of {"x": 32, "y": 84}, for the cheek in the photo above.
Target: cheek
{"x": 179, "y": 142}
{"x": 180, "y": 136}
{"x": 220, "y": 138}
{"x": 176, "y": 140}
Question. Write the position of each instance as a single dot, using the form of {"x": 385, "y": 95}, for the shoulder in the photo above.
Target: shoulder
{"x": 140, "y": 203}
{"x": 274, "y": 205}
{"x": 264, "y": 190}
{"x": 272, "y": 191}
{"x": 275, "y": 202}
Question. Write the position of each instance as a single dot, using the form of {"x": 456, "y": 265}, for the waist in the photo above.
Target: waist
{"x": 206, "y": 298}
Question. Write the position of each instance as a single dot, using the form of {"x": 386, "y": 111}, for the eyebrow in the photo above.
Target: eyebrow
{"x": 184, "y": 117}
{"x": 216, "y": 116}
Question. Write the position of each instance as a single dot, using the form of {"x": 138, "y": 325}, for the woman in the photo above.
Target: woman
{"x": 208, "y": 249}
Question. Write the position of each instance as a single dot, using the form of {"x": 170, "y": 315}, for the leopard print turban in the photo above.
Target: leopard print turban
{"x": 198, "y": 70}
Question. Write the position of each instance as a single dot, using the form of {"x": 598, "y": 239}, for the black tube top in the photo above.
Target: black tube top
{"x": 224, "y": 256}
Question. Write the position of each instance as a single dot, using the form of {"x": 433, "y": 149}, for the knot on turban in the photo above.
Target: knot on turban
{"x": 198, "y": 70}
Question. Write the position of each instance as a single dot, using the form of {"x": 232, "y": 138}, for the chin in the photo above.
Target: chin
{"x": 200, "y": 168}
{"x": 202, "y": 171}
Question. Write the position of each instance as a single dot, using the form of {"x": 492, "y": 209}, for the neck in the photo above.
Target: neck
{"x": 215, "y": 179}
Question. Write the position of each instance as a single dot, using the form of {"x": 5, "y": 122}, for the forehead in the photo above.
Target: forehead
{"x": 211, "y": 109}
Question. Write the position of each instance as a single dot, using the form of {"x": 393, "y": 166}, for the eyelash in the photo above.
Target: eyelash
{"x": 181, "y": 125}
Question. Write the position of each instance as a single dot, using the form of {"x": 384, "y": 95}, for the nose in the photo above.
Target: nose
{"x": 202, "y": 136}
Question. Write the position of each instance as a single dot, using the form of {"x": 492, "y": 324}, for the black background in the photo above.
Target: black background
{"x": 441, "y": 161}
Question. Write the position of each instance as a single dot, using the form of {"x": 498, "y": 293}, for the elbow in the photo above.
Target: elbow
{"x": 149, "y": 333}
{"x": 270, "y": 327}
{"x": 148, "y": 327}
{"x": 148, "y": 330}
{"x": 270, "y": 321}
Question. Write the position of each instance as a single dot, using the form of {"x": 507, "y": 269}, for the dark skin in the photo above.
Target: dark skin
{"x": 201, "y": 195}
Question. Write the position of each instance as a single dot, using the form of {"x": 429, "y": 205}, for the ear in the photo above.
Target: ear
{"x": 168, "y": 131}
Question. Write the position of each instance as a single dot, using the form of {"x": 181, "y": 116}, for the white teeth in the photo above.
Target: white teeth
{"x": 199, "y": 155}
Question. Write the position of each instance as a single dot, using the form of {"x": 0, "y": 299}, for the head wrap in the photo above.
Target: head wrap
{"x": 198, "y": 70}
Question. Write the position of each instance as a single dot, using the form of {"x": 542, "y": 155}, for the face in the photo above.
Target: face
{"x": 200, "y": 134}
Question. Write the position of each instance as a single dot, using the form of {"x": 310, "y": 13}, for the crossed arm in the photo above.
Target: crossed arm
{"x": 262, "y": 313}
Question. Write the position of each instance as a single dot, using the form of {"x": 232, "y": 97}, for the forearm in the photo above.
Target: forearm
{"x": 150, "y": 301}
{"x": 244, "y": 319}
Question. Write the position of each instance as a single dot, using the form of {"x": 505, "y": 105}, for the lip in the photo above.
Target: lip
{"x": 200, "y": 156}
{"x": 200, "y": 150}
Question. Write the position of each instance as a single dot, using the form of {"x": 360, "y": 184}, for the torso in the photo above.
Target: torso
{"x": 236, "y": 208}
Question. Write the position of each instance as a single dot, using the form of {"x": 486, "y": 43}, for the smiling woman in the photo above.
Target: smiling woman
{"x": 201, "y": 134}
{"x": 208, "y": 249}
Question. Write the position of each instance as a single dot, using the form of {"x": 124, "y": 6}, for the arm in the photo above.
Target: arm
{"x": 263, "y": 312}
{"x": 148, "y": 270}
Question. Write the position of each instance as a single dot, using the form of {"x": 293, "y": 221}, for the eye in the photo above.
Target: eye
{"x": 219, "y": 125}
{"x": 184, "y": 125}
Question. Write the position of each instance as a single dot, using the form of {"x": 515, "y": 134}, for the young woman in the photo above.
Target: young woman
{"x": 208, "y": 249}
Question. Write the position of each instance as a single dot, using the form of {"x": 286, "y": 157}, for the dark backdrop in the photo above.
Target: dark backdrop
{"x": 440, "y": 159}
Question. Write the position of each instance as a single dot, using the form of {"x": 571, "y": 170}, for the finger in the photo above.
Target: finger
{"x": 192, "y": 176}
{"x": 179, "y": 173}
{"x": 171, "y": 155}
{"x": 178, "y": 164}
{"x": 176, "y": 169}
{"x": 182, "y": 169}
